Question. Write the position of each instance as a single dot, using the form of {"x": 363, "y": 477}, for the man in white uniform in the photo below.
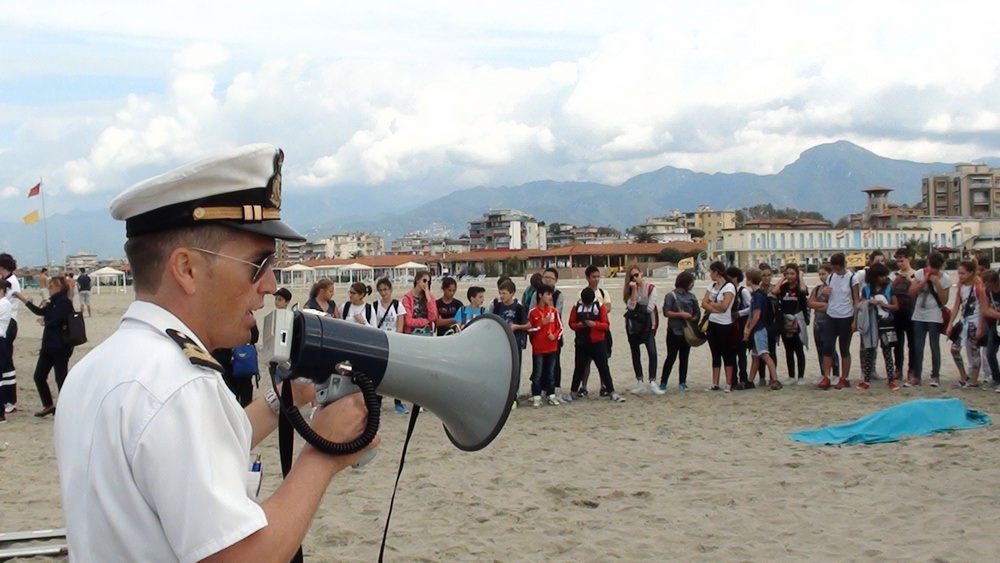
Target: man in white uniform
{"x": 153, "y": 449}
{"x": 8, "y": 375}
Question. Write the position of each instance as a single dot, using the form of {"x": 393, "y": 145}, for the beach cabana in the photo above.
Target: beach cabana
{"x": 108, "y": 276}
{"x": 298, "y": 275}
{"x": 357, "y": 271}
{"x": 406, "y": 270}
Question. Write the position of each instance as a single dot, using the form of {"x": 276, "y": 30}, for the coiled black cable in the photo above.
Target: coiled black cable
{"x": 372, "y": 403}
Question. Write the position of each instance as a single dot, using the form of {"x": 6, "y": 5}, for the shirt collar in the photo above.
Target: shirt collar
{"x": 160, "y": 319}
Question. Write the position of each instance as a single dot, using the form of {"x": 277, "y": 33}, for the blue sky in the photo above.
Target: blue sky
{"x": 97, "y": 95}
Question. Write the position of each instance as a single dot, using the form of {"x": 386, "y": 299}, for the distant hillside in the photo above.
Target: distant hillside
{"x": 826, "y": 178}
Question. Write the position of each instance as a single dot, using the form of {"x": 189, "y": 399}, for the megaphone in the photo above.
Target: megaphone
{"x": 468, "y": 380}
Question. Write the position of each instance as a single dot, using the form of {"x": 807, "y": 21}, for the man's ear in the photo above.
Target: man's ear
{"x": 183, "y": 267}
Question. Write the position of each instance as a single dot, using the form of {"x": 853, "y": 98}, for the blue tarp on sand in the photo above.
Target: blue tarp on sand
{"x": 919, "y": 417}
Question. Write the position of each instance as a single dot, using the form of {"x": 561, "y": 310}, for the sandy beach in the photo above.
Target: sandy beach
{"x": 682, "y": 476}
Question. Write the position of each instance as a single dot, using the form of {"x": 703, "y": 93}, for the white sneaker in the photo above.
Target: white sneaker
{"x": 9, "y": 408}
{"x": 639, "y": 388}
{"x": 536, "y": 401}
{"x": 554, "y": 400}
{"x": 617, "y": 398}
{"x": 655, "y": 388}
{"x": 790, "y": 381}
{"x": 802, "y": 381}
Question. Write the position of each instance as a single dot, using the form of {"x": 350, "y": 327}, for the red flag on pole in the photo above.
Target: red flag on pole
{"x": 35, "y": 190}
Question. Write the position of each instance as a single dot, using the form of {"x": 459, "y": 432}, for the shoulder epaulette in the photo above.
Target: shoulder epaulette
{"x": 195, "y": 354}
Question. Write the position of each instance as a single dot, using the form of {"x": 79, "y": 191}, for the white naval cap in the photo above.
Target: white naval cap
{"x": 239, "y": 188}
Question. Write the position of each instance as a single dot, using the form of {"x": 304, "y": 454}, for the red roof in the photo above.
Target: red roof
{"x": 618, "y": 249}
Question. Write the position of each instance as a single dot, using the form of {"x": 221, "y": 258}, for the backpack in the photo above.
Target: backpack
{"x": 639, "y": 320}
{"x": 738, "y": 304}
{"x": 772, "y": 317}
{"x": 75, "y": 330}
{"x": 245, "y": 361}
{"x": 901, "y": 289}
{"x": 347, "y": 307}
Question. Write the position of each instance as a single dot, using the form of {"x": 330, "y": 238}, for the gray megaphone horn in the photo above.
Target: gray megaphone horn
{"x": 468, "y": 380}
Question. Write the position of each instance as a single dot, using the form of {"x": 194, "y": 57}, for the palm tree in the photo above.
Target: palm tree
{"x": 644, "y": 237}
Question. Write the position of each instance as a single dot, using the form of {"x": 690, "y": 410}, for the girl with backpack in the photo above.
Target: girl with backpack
{"x": 389, "y": 315}
{"x": 718, "y": 302}
{"x": 876, "y": 326}
{"x": 641, "y": 320}
{"x": 793, "y": 303}
{"x": 356, "y": 310}
{"x": 680, "y": 306}
{"x": 969, "y": 330}
{"x": 321, "y": 298}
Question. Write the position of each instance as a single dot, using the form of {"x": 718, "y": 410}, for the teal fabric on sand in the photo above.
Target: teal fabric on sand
{"x": 919, "y": 417}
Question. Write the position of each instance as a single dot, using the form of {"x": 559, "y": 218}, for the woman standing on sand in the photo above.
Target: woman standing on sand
{"x": 55, "y": 353}
{"x": 792, "y": 296}
{"x": 718, "y": 301}
{"x": 321, "y": 298}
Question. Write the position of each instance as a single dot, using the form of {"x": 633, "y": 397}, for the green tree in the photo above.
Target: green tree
{"x": 643, "y": 236}
{"x": 696, "y": 233}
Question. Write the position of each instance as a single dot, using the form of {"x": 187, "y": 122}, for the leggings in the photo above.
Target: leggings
{"x": 8, "y": 375}
{"x": 794, "y": 350}
{"x": 51, "y": 359}
{"x": 868, "y": 356}
{"x": 650, "y": 344}
{"x": 676, "y": 346}
{"x": 720, "y": 342}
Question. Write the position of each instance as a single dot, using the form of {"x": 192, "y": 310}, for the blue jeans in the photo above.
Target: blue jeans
{"x": 544, "y": 366}
{"x": 921, "y": 330}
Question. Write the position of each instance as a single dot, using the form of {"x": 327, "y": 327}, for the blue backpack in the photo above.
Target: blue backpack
{"x": 245, "y": 361}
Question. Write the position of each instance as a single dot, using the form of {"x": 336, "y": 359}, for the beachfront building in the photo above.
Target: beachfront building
{"x": 880, "y": 213}
{"x": 711, "y": 222}
{"x": 778, "y": 244}
{"x": 971, "y": 190}
{"x": 85, "y": 260}
{"x": 669, "y": 228}
{"x": 563, "y": 234}
{"x": 347, "y": 245}
{"x": 420, "y": 243}
{"x": 507, "y": 229}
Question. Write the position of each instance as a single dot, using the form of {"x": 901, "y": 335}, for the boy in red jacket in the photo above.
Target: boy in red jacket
{"x": 589, "y": 319}
{"x": 546, "y": 328}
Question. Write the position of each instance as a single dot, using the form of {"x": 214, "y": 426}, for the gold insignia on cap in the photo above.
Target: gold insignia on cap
{"x": 195, "y": 354}
{"x": 274, "y": 183}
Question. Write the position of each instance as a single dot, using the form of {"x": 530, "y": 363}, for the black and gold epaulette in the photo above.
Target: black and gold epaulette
{"x": 195, "y": 354}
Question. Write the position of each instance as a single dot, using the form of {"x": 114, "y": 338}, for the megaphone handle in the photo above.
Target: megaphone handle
{"x": 361, "y": 442}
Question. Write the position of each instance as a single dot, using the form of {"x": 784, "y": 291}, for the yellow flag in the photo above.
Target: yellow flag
{"x": 686, "y": 264}
{"x": 31, "y": 217}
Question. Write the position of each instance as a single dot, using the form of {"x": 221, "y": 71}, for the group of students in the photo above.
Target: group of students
{"x": 898, "y": 312}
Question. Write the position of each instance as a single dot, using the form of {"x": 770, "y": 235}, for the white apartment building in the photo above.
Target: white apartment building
{"x": 507, "y": 229}
{"x": 665, "y": 229}
{"x": 351, "y": 245}
{"x": 85, "y": 260}
{"x": 751, "y": 246}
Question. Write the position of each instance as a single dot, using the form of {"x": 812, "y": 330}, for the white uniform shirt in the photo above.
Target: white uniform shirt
{"x": 15, "y": 287}
{"x": 153, "y": 450}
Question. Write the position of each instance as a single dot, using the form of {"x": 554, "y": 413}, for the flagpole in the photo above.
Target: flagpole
{"x": 45, "y": 224}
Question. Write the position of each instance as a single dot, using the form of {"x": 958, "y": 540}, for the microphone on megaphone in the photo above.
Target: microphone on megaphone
{"x": 468, "y": 380}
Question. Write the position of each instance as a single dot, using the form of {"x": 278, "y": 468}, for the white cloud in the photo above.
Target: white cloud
{"x": 9, "y": 192}
{"x": 465, "y": 96}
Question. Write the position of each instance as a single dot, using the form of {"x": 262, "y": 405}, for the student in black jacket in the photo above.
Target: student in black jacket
{"x": 55, "y": 353}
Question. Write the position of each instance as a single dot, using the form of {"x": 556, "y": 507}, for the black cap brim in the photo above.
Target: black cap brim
{"x": 274, "y": 229}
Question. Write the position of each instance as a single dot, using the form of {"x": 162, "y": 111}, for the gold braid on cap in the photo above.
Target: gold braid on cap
{"x": 244, "y": 213}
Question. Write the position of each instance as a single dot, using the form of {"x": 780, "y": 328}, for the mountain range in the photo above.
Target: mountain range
{"x": 826, "y": 178}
